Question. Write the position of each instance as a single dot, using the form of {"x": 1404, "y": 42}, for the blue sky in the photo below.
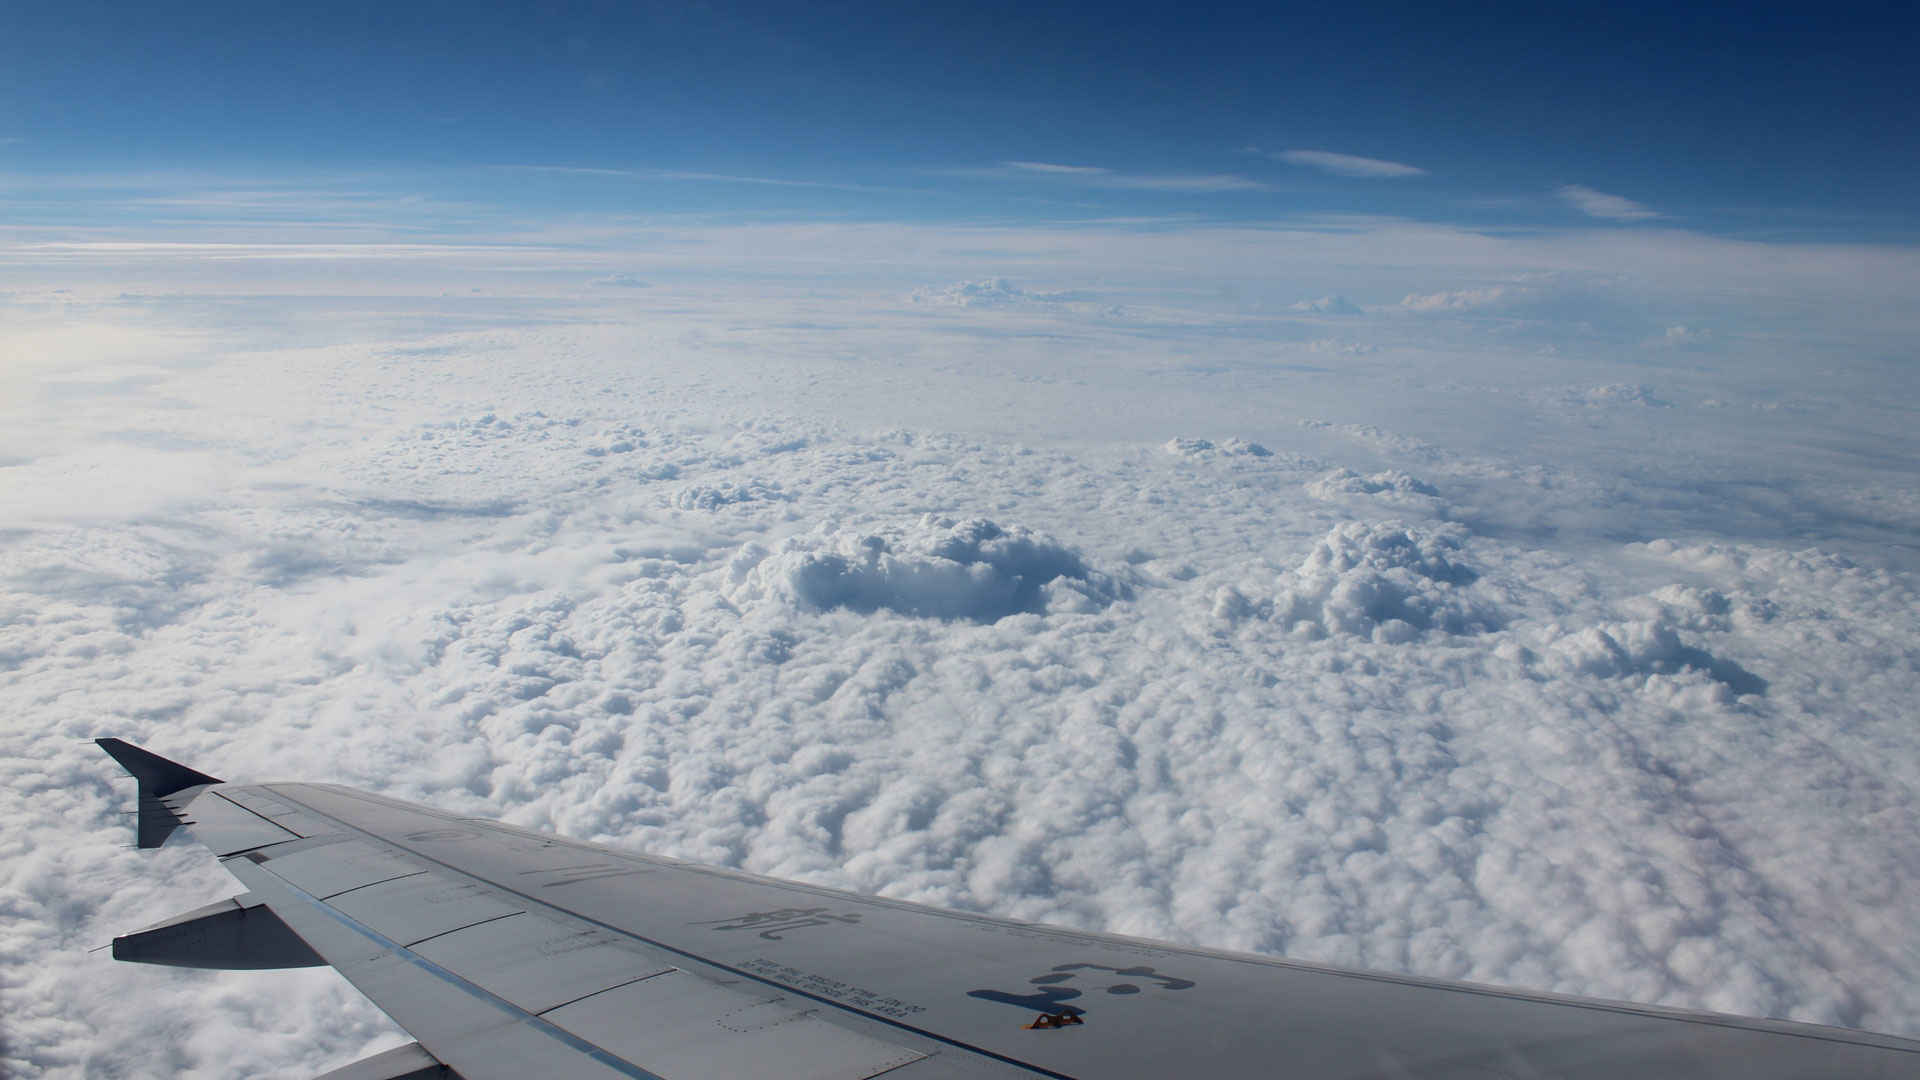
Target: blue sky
{"x": 1737, "y": 120}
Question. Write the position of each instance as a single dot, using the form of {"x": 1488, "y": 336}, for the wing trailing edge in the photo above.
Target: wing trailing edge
{"x": 409, "y": 1062}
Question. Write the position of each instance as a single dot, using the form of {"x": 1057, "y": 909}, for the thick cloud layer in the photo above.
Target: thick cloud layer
{"x": 1357, "y": 692}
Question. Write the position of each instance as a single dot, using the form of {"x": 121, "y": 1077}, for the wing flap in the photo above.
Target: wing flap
{"x": 537, "y": 963}
{"x": 413, "y": 909}
{"x": 680, "y": 1025}
{"x": 409, "y": 1062}
{"x": 329, "y": 866}
{"x": 475, "y": 1032}
{"x": 227, "y": 828}
{"x": 279, "y": 811}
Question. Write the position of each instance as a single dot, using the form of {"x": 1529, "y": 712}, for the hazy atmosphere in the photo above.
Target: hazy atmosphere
{"x": 1426, "y": 495}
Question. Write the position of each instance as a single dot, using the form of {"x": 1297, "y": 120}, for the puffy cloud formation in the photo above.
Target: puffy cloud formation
{"x": 1206, "y": 448}
{"x": 1461, "y": 299}
{"x": 618, "y": 581}
{"x": 1347, "y": 482}
{"x": 1645, "y": 651}
{"x": 622, "y": 281}
{"x": 1604, "y": 396}
{"x": 938, "y": 568}
{"x": 1681, "y": 337}
{"x": 989, "y": 293}
{"x": 1327, "y": 305}
{"x": 725, "y": 493}
{"x": 1385, "y": 582}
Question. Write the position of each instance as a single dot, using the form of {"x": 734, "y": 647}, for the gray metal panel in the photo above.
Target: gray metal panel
{"x": 279, "y": 811}
{"x": 479, "y": 1036}
{"x": 538, "y": 963}
{"x": 327, "y": 869}
{"x": 411, "y": 909}
{"x": 409, "y": 1062}
{"x": 677, "y": 1025}
{"x": 241, "y": 933}
{"x": 226, "y": 828}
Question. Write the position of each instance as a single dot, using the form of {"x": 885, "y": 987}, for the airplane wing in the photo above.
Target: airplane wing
{"x": 510, "y": 954}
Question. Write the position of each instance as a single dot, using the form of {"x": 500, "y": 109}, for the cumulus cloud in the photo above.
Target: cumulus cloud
{"x": 1603, "y": 396}
{"x": 1486, "y": 296}
{"x": 995, "y": 292}
{"x": 622, "y": 281}
{"x": 1349, "y": 164}
{"x": 1389, "y": 687}
{"x": 1207, "y": 448}
{"x": 1341, "y": 482}
{"x": 1386, "y": 582}
{"x": 1602, "y": 205}
{"x": 1327, "y": 305}
{"x": 938, "y": 568}
{"x": 1685, "y": 337}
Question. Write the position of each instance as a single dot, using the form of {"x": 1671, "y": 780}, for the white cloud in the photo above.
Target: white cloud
{"x": 996, "y": 292}
{"x": 622, "y": 281}
{"x": 1198, "y": 182}
{"x": 1485, "y": 296}
{"x": 765, "y": 181}
{"x": 1349, "y": 164}
{"x": 1068, "y": 170}
{"x": 1207, "y": 449}
{"x": 1326, "y": 305}
{"x": 1686, "y": 336}
{"x": 576, "y": 170}
{"x": 1384, "y": 687}
{"x": 1602, "y": 205}
{"x": 938, "y": 568}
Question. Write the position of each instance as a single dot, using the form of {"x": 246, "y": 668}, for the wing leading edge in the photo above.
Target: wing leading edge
{"x": 508, "y": 953}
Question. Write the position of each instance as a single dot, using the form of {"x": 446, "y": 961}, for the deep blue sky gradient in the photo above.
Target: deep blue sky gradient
{"x": 1734, "y": 118}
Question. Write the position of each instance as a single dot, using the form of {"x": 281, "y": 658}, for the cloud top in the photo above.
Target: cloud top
{"x": 1326, "y": 305}
{"x": 1459, "y": 299}
{"x": 995, "y": 292}
{"x": 939, "y": 568}
{"x": 1602, "y": 205}
{"x": 1349, "y": 164}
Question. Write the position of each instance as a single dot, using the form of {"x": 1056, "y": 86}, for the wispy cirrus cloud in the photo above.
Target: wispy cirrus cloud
{"x": 1602, "y": 205}
{"x": 1109, "y": 178}
{"x": 1348, "y": 164}
{"x": 690, "y": 176}
{"x": 1057, "y": 170}
{"x": 1186, "y": 182}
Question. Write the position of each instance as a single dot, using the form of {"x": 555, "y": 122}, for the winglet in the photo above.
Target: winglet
{"x": 158, "y": 779}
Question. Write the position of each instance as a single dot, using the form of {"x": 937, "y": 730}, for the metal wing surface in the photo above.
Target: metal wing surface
{"x": 508, "y": 953}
